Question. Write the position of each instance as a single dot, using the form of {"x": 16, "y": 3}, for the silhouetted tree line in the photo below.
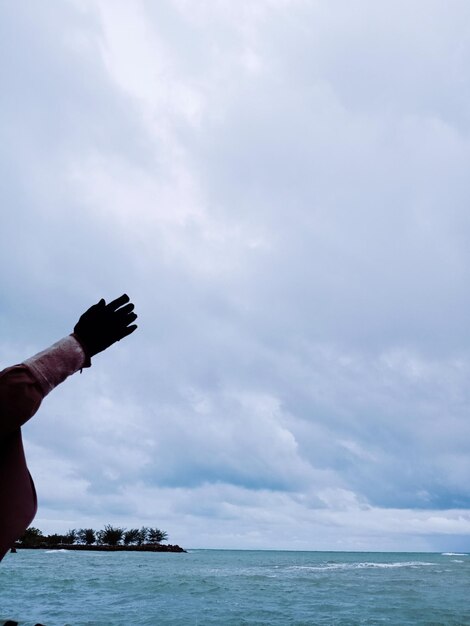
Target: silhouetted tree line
{"x": 109, "y": 536}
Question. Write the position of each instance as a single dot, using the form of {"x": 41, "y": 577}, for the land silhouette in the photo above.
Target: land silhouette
{"x": 109, "y": 539}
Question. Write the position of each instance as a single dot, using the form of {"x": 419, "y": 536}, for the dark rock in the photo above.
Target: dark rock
{"x": 64, "y": 546}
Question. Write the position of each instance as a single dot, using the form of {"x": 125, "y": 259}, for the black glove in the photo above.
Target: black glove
{"x": 104, "y": 324}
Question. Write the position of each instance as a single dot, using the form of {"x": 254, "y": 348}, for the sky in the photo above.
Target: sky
{"x": 281, "y": 186}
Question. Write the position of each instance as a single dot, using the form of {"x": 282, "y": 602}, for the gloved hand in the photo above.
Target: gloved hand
{"x": 104, "y": 324}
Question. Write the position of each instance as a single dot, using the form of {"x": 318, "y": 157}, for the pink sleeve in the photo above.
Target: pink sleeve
{"x": 22, "y": 387}
{"x": 54, "y": 364}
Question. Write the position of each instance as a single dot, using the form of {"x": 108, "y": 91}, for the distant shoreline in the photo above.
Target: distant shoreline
{"x": 64, "y": 546}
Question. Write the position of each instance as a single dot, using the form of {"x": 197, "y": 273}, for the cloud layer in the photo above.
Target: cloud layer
{"x": 281, "y": 186}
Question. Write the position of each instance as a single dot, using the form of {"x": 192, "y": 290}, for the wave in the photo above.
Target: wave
{"x": 365, "y": 565}
{"x": 55, "y": 551}
{"x": 453, "y": 554}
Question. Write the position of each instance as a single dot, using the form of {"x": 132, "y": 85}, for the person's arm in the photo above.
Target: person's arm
{"x": 20, "y": 397}
{"x": 22, "y": 387}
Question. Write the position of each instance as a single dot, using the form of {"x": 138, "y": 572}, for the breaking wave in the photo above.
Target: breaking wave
{"x": 364, "y": 565}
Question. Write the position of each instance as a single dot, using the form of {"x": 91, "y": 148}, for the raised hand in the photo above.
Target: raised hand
{"x": 104, "y": 324}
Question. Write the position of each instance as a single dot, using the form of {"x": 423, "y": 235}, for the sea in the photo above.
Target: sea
{"x": 229, "y": 587}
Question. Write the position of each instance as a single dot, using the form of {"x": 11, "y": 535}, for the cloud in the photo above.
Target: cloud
{"x": 281, "y": 186}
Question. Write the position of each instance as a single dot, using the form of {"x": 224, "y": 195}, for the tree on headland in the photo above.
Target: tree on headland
{"x": 55, "y": 539}
{"x": 155, "y": 535}
{"x": 110, "y": 536}
{"x": 71, "y": 536}
{"x": 86, "y": 536}
{"x": 142, "y": 538}
{"x": 32, "y": 536}
{"x": 131, "y": 536}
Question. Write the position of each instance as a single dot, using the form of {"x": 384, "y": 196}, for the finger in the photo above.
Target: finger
{"x": 96, "y": 306}
{"x": 124, "y": 310}
{"x": 127, "y": 331}
{"x": 130, "y": 318}
{"x": 121, "y": 321}
{"x": 115, "y": 304}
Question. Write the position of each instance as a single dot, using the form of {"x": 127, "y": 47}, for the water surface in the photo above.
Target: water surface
{"x": 225, "y": 588}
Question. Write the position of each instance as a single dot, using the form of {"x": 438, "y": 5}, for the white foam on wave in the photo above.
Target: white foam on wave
{"x": 365, "y": 565}
{"x": 453, "y": 554}
{"x": 457, "y": 561}
{"x": 56, "y": 551}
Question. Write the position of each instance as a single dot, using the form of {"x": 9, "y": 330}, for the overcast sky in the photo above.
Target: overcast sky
{"x": 282, "y": 188}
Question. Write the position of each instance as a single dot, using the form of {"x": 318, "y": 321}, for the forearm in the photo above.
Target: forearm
{"x": 22, "y": 387}
{"x": 53, "y": 365}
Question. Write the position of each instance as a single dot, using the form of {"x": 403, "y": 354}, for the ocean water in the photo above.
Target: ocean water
{"x": 225, "y": 587}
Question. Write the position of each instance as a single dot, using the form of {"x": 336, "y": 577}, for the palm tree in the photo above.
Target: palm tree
{"x": 55, "y": 539}
{"x": 142, "y": 538}
{"x": 131, "y": 536}
{"x": 71, "y": 536}
{"x": 110, "y": 536}
{"x": 87, "y": 536}
{"x": 32, "y": 537}
{"x": 155, "y": 535}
